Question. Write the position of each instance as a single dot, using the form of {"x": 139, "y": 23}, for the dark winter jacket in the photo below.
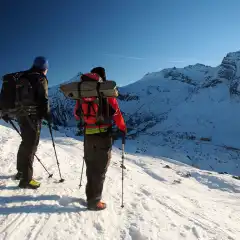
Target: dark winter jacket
{"x": 39, "y": 83}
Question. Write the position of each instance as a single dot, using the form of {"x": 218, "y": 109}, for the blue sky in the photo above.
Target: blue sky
{"x": 128, "y": 37}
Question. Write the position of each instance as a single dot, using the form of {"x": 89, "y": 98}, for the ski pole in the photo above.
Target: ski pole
{"x": 13, "y": 125}
{"x": 80, "y": 184}
{"x": 81, "y": 174}
{"x": 122, "y": 166}
{"x": 50, "y": 130}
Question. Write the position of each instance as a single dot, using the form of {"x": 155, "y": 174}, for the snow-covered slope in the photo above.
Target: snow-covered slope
{"x": 163, "y": 199}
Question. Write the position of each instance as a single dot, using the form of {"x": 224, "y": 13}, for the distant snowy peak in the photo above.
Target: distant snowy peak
{"x": 195, "y": 75}
{"x": 234, "y": 55}
{"x": 198, "y": 75}
{"x": 230, "y": 66}
{"x": 198, "y": 66}
{"x": 171, "y": 85}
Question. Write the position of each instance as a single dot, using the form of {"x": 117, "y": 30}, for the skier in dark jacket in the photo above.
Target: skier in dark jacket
{"x": 97, "y": 149}
{"x": 30, "y": 125}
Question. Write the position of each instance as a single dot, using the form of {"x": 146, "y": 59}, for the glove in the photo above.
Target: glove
{"x": 115, "y": 135}
{"x": 44, "y": 122}
{"x": 118, "y": 134}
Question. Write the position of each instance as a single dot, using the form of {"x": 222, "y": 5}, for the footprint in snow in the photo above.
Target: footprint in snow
{"x": 187, "y": 227}
{"x": 134, "y": 205}
{"x": 195, "y": 232}
{"x": 173, "y": 225}
{"x": 177, "y": 181}
{"x": 135, "y": 234}
{"x": 183, "y": 234}
{"x": 145, "y": 206}
{"x": 146, "y": 192}
{"x": 98, "y": 227}
{"x": 139, "y": 194}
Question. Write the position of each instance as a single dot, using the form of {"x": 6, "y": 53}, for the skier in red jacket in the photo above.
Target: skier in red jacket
{"x": 98, "y": 145}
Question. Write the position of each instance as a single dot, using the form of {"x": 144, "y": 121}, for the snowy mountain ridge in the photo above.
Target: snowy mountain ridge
{"x": 177, "y": 108}
{"x": 197, "y": 75}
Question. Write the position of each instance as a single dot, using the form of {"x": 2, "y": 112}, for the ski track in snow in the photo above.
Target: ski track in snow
{"x": 160, "y": 203}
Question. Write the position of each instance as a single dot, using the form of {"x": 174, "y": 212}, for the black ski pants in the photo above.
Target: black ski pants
{"x": 97, "y": 155}
{"x": 30, "y": 131}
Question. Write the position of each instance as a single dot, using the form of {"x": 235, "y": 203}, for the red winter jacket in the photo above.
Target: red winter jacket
{"x": 117, "y": 116}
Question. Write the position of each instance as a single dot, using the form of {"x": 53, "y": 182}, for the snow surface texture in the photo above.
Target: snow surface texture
{"x": 179, "y": 109}
{"x": 164, "y": 199}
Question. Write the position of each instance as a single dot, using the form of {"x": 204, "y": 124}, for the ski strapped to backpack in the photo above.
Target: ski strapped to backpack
{"x": 91, "y": 94}
{"x": 17, "y": 95}
{"x": 89, "y": 88}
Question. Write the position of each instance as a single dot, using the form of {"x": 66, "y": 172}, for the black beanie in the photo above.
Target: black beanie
{"x": 100, "y": 71}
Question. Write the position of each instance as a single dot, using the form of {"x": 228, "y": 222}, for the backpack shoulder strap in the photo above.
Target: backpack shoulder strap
{"x": 34, "y": 77}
